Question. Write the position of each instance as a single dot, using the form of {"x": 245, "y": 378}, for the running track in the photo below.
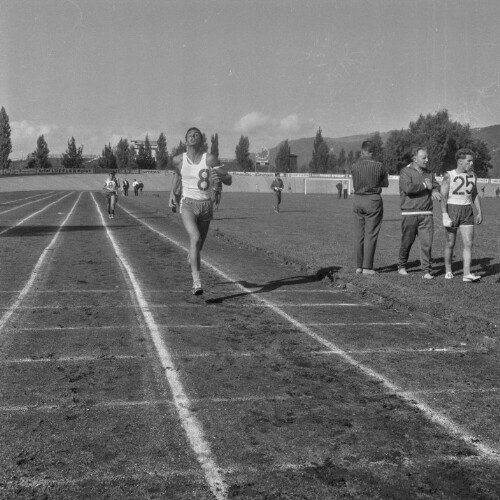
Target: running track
{"x": 71, "y": 278}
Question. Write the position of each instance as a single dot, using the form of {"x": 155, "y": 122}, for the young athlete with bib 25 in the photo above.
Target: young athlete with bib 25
{"x": 195, "y": 171}
{"x": 459, "y": 193}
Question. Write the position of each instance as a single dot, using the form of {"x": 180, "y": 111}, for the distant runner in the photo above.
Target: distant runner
{"x": 277, "y": 186}
{"x": 111, "y": 187}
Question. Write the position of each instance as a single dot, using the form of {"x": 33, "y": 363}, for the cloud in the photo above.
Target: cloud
{"x": 24, "y": 135}
{"x": 293, "y": 125}
{"x": 257, "y": 123}
{"x": 252, "y": 123}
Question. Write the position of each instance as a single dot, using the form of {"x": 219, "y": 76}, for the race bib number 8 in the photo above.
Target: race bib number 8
{"x": 204, "y": 182}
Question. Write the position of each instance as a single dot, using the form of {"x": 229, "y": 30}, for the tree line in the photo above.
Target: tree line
{"x": 441, "y": 136}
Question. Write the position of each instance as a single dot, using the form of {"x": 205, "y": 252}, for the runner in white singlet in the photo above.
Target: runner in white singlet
{"x": 195, "y": 171}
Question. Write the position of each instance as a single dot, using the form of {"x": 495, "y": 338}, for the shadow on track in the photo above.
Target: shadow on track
{"x": 44, "y": 230}
{"x": 275, "y": 284}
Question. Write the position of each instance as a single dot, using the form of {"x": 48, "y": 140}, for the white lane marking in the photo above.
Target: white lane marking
{"x": 22, "y": 221}
{"x": 68, "y": 359}
{"x": 385, "y": 323}
{"x": 429, "y": 350}
{"x": 24, "y": 292}
{"x": 26, "y": 204}
{"x": 192, "y": 426}
{"x": 64, "y": 328}
{"x": 26, "y": 198}
{"x": 434, "y": 415}
{"x": 339, "y": 304}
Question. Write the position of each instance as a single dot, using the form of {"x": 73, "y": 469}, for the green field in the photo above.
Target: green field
{"x": 314, "y": 232}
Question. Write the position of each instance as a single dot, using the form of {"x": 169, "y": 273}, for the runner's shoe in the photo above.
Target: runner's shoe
{"x": 197, "y": 289}
{"x": 448, "y": 276}
{"x": 471, "y": 278}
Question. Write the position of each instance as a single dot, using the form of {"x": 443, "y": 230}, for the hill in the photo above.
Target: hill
{"x": 303, "y": 147}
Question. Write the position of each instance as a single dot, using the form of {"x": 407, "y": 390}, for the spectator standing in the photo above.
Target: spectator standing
{"x": 125, "y": 187}
{"x": 277, "y": 186}
{"x": 369, "y": 177}
{"x": 417, "y": 188}
{"x": 339, "y": 190}
{"x": 135, "y": 185}
{"x": 141, "y": 187}
{"x": 459, "y": 190}
{"x": 346, "y": 189}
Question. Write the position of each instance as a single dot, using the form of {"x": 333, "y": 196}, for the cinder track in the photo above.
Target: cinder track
{"x": 117, "y": 382}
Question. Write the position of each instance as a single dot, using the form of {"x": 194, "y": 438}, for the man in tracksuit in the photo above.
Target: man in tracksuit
{"x": 417, "y": 189}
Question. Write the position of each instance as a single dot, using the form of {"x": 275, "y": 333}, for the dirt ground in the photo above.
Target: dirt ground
{"x": 300, "y": 387}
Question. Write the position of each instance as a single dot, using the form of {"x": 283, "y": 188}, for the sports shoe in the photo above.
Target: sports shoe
{"x": 402, "y": 271}
{"x": 448, "y": 276}
{"x": 112, "y": 216}
{"x": 369, "y": 271}
{"x": 471, "y": 278}
{"x": 197, "y": 289}
{"x": 359, "y": 270}
{"x": 428, "y": 276}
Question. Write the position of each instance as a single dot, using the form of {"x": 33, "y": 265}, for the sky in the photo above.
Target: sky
{"x": 101, "y": 70}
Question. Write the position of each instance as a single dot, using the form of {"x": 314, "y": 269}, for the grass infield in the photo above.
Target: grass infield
{"x": 314, "y": 232}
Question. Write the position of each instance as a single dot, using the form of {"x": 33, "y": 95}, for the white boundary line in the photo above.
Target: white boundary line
{"x": 189, "y": 421}
{"x": 68, "y": 359}
{"x": 36, "y": 213}
{"x": 26, "y": 204}
{"x": 22, "y": 294}
{"x": 411, "y": 398}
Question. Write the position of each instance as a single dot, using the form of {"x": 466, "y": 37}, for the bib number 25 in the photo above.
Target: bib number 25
{"x": 469, "y": 185}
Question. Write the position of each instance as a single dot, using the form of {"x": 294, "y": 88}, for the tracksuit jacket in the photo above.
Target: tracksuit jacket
{"x": 415, "y": 197}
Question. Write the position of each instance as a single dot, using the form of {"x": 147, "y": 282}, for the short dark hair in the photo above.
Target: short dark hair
{"x": 416, "y": 149}
{"x": 193, "y": 128}
{"x": 277, "y": 174}
{"x": 463, "y": 152}
{"x": 368, "y": 146}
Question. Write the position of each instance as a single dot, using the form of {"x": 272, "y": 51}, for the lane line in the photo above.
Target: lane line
{"x": 192, "y": 426}
{"x": 361, "y": 323}
{"x": 26, "y": 198}
{"x": 411, "y": 398}
{"x": 430, "y": 350}
{"x": 22, "y": 221}
{"x": 63, "y": 328}
{"x": 26, "y": 204}
{"x": 38, "y": 266}
{"x": 68, "y": 359}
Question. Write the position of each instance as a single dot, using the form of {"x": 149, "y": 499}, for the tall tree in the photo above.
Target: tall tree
{"x": 131, "y": 157}
{"x": 242, "y": 153}
{"x": 350, "y": 159}
{"x": 214, "y": 146}
{"x": 331, "y": 163}
{"x": 313, "y": 164}
{"x": 108, "y": 158}
{"x": 41, "y": 154}
{"x": 342, "y": 160}
{"x": 322, "y": 158}
{"x": 149, "y": 163}
{"x": 378, "y": 146}
{"x": 442, "y": 138}
{"x": 5, "y": 142}
{"x": 161, "y": 152}
{"x": 181, "y": 148}
{"x": 141, "y": 157}
{"x": 204, "y": 147}
{"x": 72, "y": 157}
{"x": 122, "y": 154}
{"x": 282, "y": 159}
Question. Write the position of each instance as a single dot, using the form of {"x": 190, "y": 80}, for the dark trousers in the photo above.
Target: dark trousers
{"x": 411, "y": 226}
{"x": 368, "y": 214}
